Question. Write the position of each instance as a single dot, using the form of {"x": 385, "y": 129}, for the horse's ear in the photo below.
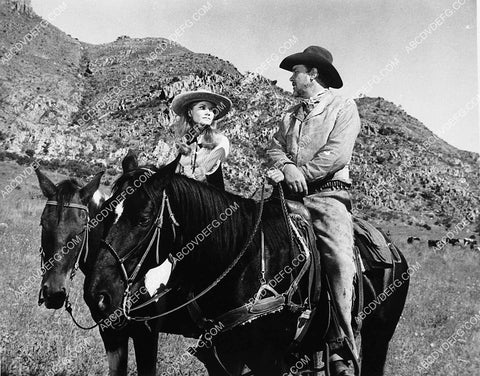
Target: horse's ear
{"x": 130, "y": 162}
{"x": 86, "y": 193}
{"x": 166, "y": 172}
{"x": 46, "y": 185}
{"x": 170, "y": 168}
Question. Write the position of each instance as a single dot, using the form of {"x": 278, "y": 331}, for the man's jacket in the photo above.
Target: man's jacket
{"x": 319, "y": 142}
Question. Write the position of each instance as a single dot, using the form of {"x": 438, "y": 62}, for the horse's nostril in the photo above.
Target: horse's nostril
{"x": 103, "y": 301}
{"x": 41, "y": 298}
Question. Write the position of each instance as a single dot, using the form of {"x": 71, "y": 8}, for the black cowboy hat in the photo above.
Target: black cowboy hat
{"x": 319, "y": 58}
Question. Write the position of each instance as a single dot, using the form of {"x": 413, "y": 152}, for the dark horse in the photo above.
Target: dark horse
{"x": 70, "y": 240}
{"x": 64, "y": 222}
{"x": 173, "y": 210}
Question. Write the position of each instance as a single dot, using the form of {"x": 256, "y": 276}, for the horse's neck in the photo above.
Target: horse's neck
{"x": 209, "y": 230}
{"x": 207, "y": 251}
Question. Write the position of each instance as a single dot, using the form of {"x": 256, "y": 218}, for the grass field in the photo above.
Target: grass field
{"x": 444, "y": 295}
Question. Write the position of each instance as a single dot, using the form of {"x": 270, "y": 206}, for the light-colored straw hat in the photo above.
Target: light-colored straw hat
{"x": 222, "y": 104}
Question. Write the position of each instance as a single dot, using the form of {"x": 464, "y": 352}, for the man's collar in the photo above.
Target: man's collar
{"x": 319, "y": 94}
{"x": 309, "y": 104}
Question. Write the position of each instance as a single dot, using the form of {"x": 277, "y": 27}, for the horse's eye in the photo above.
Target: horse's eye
{"x": 83, "y": 215}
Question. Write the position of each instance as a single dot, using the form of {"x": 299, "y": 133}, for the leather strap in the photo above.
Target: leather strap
{"x": 358, "y": 320}
{"x": 323, "y": 185}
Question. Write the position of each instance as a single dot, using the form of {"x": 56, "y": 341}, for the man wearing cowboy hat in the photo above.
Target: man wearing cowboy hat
{"x": 311, "y": 152}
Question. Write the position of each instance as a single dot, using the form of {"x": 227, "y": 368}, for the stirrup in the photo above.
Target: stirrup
{"x": 344, "y": 348}
{"x": 263, "y": 303}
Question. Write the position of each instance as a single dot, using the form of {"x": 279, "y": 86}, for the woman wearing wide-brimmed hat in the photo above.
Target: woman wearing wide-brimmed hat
{"x": 203, "y": 148}
{"x": 202, "y": 145}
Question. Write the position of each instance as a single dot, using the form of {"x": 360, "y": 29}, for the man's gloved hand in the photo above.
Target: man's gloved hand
{"x": 295, "y": 179}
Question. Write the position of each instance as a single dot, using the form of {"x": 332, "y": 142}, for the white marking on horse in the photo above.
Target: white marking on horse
{"x": 157, "y": 276}
{"x": 118, "y": 211}
{"x": 97, "y": 197}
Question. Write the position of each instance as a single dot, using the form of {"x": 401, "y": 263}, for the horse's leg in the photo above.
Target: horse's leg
{"x": 116, "y": 346}
{"x": 380, "y": 325}
{"x": 231, "y": 360}
{"x": 374, "y": 352}
{"x": 146, "y": 346}
{"x": 264, "y": 360}
{"x": 223, "y": 363}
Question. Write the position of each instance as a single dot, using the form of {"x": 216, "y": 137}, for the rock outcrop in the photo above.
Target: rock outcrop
{"x": 20, "y": 6}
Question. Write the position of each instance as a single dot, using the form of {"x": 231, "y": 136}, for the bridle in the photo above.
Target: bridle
{"x": 83, "y": 249}
{"x": 154, "y": 234}
{"x": 84, "y": 246}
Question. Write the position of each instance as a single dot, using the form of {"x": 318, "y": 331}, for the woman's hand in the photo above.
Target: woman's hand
{"x": 199, "y": 173}
{"x": 183, "y": 148}
{"x": 275, "y": 175}
{"x": 214, "y": 159}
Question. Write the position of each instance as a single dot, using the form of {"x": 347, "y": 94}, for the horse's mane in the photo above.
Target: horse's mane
{"x": 205, "y": 193}
{"x": 130, "y": 176}
{"x": 202, "y": 203}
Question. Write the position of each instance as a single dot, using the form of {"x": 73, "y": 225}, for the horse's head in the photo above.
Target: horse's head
{"x": 136, "y": 209}
{"x": 64, "y": 228}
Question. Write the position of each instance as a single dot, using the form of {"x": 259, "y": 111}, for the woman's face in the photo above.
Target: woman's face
{"x": 202, "y": 113}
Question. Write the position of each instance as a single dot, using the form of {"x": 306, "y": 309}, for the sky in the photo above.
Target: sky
{"x": 420, "y": 54}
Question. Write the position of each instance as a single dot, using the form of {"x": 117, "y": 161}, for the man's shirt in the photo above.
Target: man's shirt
{"x": 318, "y": 137}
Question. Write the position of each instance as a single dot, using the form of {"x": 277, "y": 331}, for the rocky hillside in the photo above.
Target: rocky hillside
{"x": 40, "y": 83}
{"x": 400, "y": 167}
{"x": 80, "y": 107}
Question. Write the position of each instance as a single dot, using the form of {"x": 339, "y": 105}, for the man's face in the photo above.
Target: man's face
{"x": 301, "y": 81}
